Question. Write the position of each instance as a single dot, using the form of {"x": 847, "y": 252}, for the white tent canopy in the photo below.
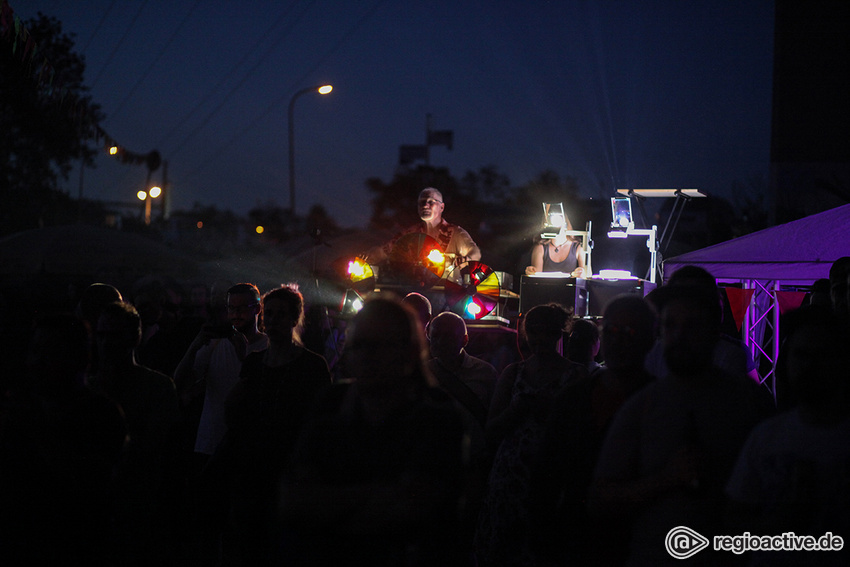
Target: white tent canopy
{"x": 792, "y": 254}
{"x": 798, "y": 252}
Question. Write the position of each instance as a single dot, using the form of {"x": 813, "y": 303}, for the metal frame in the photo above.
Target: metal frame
{"x": 757, "y": 322}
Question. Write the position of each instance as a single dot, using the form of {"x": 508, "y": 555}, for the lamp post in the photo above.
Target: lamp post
{"x": 321, "y": 89}
{"x": 147, "y": 197}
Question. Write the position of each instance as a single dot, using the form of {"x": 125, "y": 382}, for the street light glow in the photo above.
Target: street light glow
{"x": 113, "y": 150}
{"x": 321, "y": 89}
{"x": 155, "y": 192}
{"x": 142, "y": 195}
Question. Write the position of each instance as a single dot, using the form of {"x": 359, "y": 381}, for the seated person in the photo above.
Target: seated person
{"x": 454, "y": 240}
{"x": 560, "y": 254}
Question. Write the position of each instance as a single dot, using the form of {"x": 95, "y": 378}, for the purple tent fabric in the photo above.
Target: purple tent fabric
{"x": 800, "y": 251}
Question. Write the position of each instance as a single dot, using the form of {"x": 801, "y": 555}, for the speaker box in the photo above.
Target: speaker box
{"x": 539, "y": 290}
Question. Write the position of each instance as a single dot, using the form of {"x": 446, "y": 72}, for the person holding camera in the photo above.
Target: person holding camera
{"x": 214, "y": 359}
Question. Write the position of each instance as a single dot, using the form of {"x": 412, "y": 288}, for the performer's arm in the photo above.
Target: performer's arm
{"x": 466, "y": 247}
{"x": 580, "y": 268}
{"x": 375, "y": 255}
{"x": 474, "y": 253}
{"x": 536, "y": 260}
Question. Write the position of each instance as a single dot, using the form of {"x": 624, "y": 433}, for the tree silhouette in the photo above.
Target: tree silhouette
{"x": 46, "y": 124}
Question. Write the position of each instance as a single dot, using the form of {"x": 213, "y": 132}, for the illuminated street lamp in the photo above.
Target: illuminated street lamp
{"x": 147, "y": 197}
{"x": 321, "y": 89}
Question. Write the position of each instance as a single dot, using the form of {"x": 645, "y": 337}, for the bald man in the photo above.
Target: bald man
{"x": 447, "y": 336}
{"x": 453, "y": 239}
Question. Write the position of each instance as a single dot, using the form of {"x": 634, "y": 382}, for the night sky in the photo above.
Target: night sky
{"x": 656, "y": 93}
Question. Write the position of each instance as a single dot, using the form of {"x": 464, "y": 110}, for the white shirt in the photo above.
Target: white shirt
{"x": 218, "y": 364}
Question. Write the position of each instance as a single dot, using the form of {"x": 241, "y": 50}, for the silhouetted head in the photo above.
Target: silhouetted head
{"x": 283, "y": 314}
{"x": 820, "y": 293}
{"x": 94, "y": 298}
{"x": 385, "y": 347}
{"x": 119, "y": 332}
{"x": 628, "y": 331}
{"x": 421, "y": 305}
{"x": 244, "y": 308}
{"x": 690, "y": 327}
{"x": 838, "y": 275}
{"x": 584, "y": 344}
{"x": 447, "y": 335}
{"x": 544, "y": 326}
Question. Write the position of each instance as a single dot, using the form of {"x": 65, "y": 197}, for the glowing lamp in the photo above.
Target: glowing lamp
{"x": 142, "y": 195}
{"x": 435, "y": 256}
{"x": 155, "y": 192}
{"x": 472, "y": 309}
{"x": 621, "y": 213}
{"x": 555, "y": 219}
{"x": 359, "y": 270}
{"x": 351, "y": 302}
{"x": 113, "y": 150}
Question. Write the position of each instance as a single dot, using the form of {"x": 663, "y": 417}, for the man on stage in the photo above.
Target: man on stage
{"x": 455, "y": 241}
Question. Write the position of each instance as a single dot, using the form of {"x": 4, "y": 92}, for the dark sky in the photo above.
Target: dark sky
{"x": 620, "y": 94}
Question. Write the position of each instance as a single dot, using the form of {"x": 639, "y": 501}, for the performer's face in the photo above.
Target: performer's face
{"x": 430, "y": 205}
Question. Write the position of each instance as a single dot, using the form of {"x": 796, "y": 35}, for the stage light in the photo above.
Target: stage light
{"x": 472, "y": 309}
{"x": 436, "y": 256}
{"x": 359, "y": 270}
{"x": 351, "y": 303}
{"x": 555, "y": 219}
{"x": 616, "y": 275}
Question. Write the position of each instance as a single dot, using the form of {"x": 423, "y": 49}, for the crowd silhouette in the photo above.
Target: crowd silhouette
{"x": 210, "y": 425}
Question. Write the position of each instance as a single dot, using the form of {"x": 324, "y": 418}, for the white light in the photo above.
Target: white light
{"x": 616, "y": 274}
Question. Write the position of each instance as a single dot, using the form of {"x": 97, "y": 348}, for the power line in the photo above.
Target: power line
{"x": 241, "y": 82}
{"x": 118, "y": 45}
{"x": 162, "y": 51}
{"x": 277, "y": 102}
{"x": 211, "y": 92}
{"x": 98, "y": 26}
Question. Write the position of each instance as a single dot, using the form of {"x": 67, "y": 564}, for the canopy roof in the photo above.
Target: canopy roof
{"x": 800, "y": 251}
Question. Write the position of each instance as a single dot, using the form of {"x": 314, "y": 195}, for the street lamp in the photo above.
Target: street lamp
{"x": 147, "y": 197}
{"x": 321, "y": 89}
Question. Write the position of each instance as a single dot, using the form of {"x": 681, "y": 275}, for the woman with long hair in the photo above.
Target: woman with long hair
{"x": 264, "y": 412}
{"x": 562, "y": 253}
